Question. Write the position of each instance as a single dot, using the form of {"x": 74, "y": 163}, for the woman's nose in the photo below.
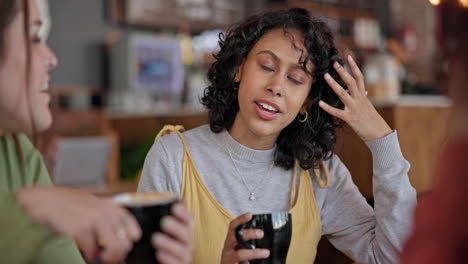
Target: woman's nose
{"x": 275, "y": 87}
{"x": 52, "y": 59}
{"x": 274, "y": 90}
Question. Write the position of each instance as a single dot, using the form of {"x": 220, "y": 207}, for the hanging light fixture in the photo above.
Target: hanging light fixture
{"x": 463, "y": 3}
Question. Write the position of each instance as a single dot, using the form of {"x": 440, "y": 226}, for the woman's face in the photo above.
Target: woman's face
{"x": 23, "y": 102}
{"x": 273, "y": 85}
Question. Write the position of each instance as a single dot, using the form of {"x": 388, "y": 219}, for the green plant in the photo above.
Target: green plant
{"x": 132, "y": 159}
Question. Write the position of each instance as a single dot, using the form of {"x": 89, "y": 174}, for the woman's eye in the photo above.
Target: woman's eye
{"x": 296, "y": 82}
{"x": 266, "y": 68}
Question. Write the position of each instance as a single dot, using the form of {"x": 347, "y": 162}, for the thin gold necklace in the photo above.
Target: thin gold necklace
{"x": 251, "y": 191}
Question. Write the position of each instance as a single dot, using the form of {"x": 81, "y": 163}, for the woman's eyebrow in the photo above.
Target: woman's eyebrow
{"x": 271, "y": 53}
{"x": 276, "y": 58}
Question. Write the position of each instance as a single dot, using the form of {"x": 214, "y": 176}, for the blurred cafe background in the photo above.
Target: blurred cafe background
{"x": 127, "y": 67}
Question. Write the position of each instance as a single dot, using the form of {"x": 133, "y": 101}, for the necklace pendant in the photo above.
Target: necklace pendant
{"x": 252, "y": 196}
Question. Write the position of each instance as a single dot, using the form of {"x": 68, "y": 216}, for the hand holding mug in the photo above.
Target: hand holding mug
{"x": 101, "y": 228}
{"x": 233, "y": 252}
{"x": 166, "y": 228}
{"x": 277, "y": 229}
{"x": 175, "y": 243}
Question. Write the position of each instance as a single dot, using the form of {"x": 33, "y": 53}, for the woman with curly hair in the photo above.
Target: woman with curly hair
{"x": 277, "y": 91}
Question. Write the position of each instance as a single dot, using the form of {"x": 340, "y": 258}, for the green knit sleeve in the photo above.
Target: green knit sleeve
{"x": 22, "y": 240}
{"x": 58, "y": 250}
{"x": 36, "y": 171}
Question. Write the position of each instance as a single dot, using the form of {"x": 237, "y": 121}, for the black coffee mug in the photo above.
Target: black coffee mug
{"x": 277, "y": 229}
{"x": 148, "y": 209}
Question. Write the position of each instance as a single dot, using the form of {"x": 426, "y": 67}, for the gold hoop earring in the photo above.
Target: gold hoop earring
{"x": 304, "y": 119}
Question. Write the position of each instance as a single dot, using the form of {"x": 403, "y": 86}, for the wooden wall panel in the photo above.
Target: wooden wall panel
{"x": 135, "y": 130}
{"x": 422, "y": 131}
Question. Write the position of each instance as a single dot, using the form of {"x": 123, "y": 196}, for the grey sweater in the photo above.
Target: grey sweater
{"x": 352, "y": 226}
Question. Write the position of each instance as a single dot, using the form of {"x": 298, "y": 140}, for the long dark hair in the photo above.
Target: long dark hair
{"x": 9, "y": 9}
{"x": 309, "y": 142}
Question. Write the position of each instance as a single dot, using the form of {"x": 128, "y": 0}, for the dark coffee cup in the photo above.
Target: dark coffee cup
{"x": 148, "y": 209}
{"x": 277, "y": 229}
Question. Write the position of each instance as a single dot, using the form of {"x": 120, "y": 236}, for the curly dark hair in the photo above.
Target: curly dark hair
{"x": 308, "y": 142}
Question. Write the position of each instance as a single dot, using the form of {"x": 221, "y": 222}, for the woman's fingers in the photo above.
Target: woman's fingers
{"x": 180, "y": 225}
{"x": 171, "y": 226}
{"x": 231, "y": 241}
{"x": 359, "y": 113}
{"x": 332, "y": 110}
{"x": 354, "y": 84}
{"x": 166, "y": 258}
{"x": 347, "y": 78}
{"x": 170, "y": 248}
{"x": 358, "y": 76}
{"x": 114, "y": 241}
{"x": 132, "y": 227}
{"x": 175, "y": 244}
{"x": 249, "y": 234}
{"x": 123, "y": 220}
{"x": 180, "y": 211}
{"x": 232, "y": 253}
{"x": 87, "y": 244}
{"x": 249, "y": 254}
{"x": 339, "y": 91}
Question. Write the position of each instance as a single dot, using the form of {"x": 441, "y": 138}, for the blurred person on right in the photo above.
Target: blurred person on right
{"x": 440, "y": 230}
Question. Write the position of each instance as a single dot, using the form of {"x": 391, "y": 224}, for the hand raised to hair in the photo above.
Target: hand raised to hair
{"x": 359, "y": 113}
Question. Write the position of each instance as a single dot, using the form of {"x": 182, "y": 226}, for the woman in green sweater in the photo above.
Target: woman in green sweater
{"x": 39, "y": 223}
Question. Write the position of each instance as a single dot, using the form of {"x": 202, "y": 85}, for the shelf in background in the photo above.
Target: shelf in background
{"x": 136, "y": 127}
{"x": 164, "y": 14}
{"x": 355, "y": 26}
{"x": 157, "y": 111}
{"x": 329, "y": 10}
